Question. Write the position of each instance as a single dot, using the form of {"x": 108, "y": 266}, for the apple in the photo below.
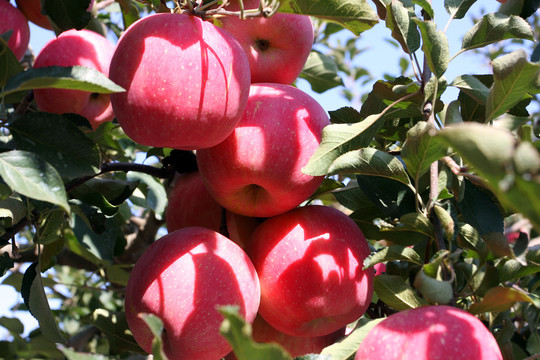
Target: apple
{"x": 71, "y": 48}
{"x": 277, "y": 47}
{"x": 256, "y": 171}
{"x": 187, "y": 82}
{"x": 430, "y": 332}
{"x": 379, "y": 268}
{"x": 295, "y": 345}
{"x": 310, "y": 266}
{"x": 182, "y": 278}
{"x": 32, "y": 10}
{"x": 190, "y": 204}
{"x": 14, "y": 20}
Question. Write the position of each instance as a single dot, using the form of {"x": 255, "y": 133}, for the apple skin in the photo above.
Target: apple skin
{"x": 309, "y": 262}
{"x": 277, "y": 47}
{"x": 256, "y": 171}
{"x": 190, "y": 204}
{"x": 379, "y": 268}
{"x": 182, "y": 278}
{"x": 13, "y": 19}
{"x": 429, "y": 333}
{"x": 295, "y": 345}
{"x": 70, "y": 48}
{"x": 186, "y": 80}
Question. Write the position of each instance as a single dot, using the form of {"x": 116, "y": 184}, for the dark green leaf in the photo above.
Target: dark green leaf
{"x": 59, "y": 142}
{"x": 155, "y": 195}
{"x": 345, "y": 115}
{"x": 420, "y": 150}
{"x": 346, "y": 348}
{"x": 67, "y": 14}
{"x": 6, "y": 263}
{"x": 426, "y": 6}
{"x": 35, "y": 300}
{"x": 100, "y": 245}
{"x": 9, "y": 64}
{"x": 469, "y": 238}
{"x": 500, "y": 298}
{"x": 321, "y": 72}
{"x": 480, "y": 208}
{"x": 354, "y": 15}
{"x": 435, "y": 47}
{"x": 404, "y": 30}
{"x": 391, "y": 197}
{"x": 514, "y": 76}
{"x": 12, "y": 210}
{"x": 114, "y": 326}
{"x": 396, "y": 293}
{"x": 369, "y": 161}
{"x": 473, "y": 87}
{"x": 59, "y": 77}
{"x": 13, "y": 325}
{"x": 458, "y": 8}
{"x": 496, "y": 27}
{"x": 238, "y": 333}
{"x": 395, "y": 253}
{"x": 338, "y": 139}
{"x": 29, "y": 175}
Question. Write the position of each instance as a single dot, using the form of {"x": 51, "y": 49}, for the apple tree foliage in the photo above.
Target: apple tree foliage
{"x": 436, "y": 186}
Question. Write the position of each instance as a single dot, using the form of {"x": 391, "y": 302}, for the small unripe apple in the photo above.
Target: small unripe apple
{"x": 182, "y": 278}
{"x": 310, "y": 266}
{"x": 12, "y": 19}
{"x": 427, "y": 333}
{"x": 257, "y": 170}
{"x": 277, "y": 47}
{"x": 186, "y": 80}
{"x": 71, "y": 48}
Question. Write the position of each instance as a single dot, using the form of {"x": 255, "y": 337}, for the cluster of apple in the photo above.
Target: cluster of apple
{"x": 294, "y": 272}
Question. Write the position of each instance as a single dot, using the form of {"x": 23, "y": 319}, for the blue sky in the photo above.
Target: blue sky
{"x": 380, "y": 57}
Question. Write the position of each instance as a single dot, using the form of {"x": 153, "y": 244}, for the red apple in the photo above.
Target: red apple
{"x": 71, "y": 48}
{"x": 187, "y": 82}
{"x": 256, "y": 171}
{"x": 14, "y": 20}
{"x": 277, "y": 47}
{"x": 427, "y": 333}
{"x": 295, "y": 345}
{"x": 32, "y": 10}
{"x": 309, "y": 262}
{"x": 190, "y": 204}
{"x": 182, "y": 278}
{"x": 379, "y": 268}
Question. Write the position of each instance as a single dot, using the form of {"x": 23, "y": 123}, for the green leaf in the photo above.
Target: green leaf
{"x": 420, "y": 150}
{"x": 100, "y": 245}
{"x": 512, "y": 270}
{"x": 115, "y": 328}
{"x": 395, "y": 253}
{"x": 369, "y": 161}
{"x": 6, "y": 263}
{"x": 426, "y": 6}
{"x": 61, "y": 77}
{"x": 337, "y": 139}
{"x": 392, "y": 198}
{"x": 469, "y": 238}
{"x": 73, "y": 355}
{"x": 396, "y": 293}
{"x": 29, "y": 175}
{"x": 155, "y": 195}
{"x": 67, "y": 14}
{"x": 458, "y": 8}
{"x": 500, "y": 298}
{"x": 354, "y": 15}
{"x": 155, "y": 325}
{"x": 35, "y": 300}
{"x": 9, "y": 64}
{"x": 481, "y": 209}
{"x": 59, "y": 142}
{"x": 473, "y": 87}
{"x": 238, "y": 333}
{"x": 321, "y": 72}
{"x": 346, "y": 348}
{"x": 12, "y": 210}
{"x": 13, "y": 325}
{"x": 513, "y": 77}
{"x": 496, "y": 27}
{"x": 414, "y": 222}
{"x": 434, "y": 46}
{"x": 404, "y": 30}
